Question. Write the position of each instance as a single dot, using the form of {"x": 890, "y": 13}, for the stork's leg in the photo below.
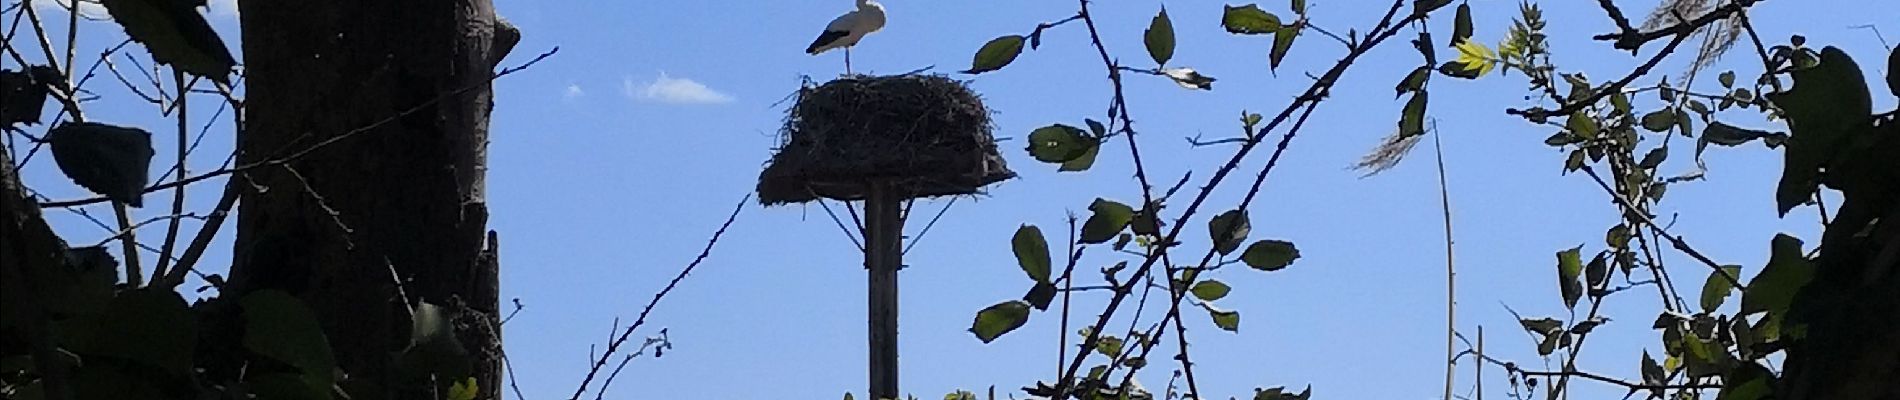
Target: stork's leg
{"x": 847, "y": 60}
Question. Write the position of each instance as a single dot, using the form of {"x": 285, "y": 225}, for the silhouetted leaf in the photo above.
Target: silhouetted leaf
{"x": 85, "y": 284}
{"x": 1727, "y": 78}
{"x": 1585, "y": 326}
{"x": 1145, "y": 223}
{"x": 1716, "y": 288}
{"x": 1210, "y": 290}
{"x": 999, "y": 319}
{"x": 1228, "y": 230}
{"x": 1598, "y": 271}
{"x": 996, "y": 54}
{"x": 1561, "y": 139}
{"x": 1248, "y": 20}
{"x": 25, "y": 93}
{"x": 1828, "y": 105}
{"x": 106, "y": 159}
{"x": 1422, "y": 7}
{"x": 1095, "y": 127}
{"x": 1414, "y": 82}
{"x": 1750, "y": 381}
{"x": 1617, "y": 237}
{"x": 1542, "y": 326}
{"x": 1109, "y": 219}
{"x": 1270, "y": 255}
{"x": 1412, "y": 121}
{"x": 1458, "y": 70}
{"x": 1653, "y": 373}
{"x": 1160, "y": 38}
{"x": 1773, "y": 289}
{"x": 1227, "y": 320}
{"x": 1059, "y": 143}
{"x": 1040, "y": 295}
{"x": 176, "y": 34}
{"x": 1654, "y": 158}
{"x": 1461, "y": 27}
{"x": 148, "y": 326}
{"x": 1569, "y": 269}
{"x": 1280, "y": 393}
{"x": 1724, "y": 134}
{"x": 1032, "y": 252}
{"x": 282, "y": 328}
{"x": 1282, "y": 43}
{"x": 1893, "y": 71}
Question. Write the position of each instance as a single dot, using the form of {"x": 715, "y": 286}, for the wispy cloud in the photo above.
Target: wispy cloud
{"x": 667, "y": 89}
{"x": 573, "y": 91}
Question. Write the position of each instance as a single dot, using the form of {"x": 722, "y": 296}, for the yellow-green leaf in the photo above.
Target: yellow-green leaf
{"x": 1476, "y": 57}
{"x": 997, "y": 53}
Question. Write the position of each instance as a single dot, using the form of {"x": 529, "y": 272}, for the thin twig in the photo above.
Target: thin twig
{"x": 178, "y": 194}
{"x": 614, "y": 346}
{"x": 1451, "y": 283}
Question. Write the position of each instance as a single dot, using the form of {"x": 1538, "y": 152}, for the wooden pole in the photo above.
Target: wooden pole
{"x": 883, "y": 254}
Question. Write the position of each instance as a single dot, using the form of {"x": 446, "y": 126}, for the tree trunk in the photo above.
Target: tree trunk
{"x": 394, "y": 214}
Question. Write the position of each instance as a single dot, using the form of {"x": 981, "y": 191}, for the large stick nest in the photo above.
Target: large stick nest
{"x": 925, "y": 135}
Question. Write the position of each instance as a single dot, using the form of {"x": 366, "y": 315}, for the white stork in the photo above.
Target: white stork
{"x": 848, "y": 29}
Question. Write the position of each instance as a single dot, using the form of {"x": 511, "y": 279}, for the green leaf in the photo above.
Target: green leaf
{"x": 1458, "y": 70}
{"x": 1109, "y": 346}
{"x": 1414, "y": 82}
{"x": 149, "y": 326}
{"x": 1750, "y": 381}
{"x": 109, "y": 160}
{"x": 1270, "y": 255}
{"x": 1575, "y": 161}
{"x": 1654, "y": 158}
{"x": 999, "y": 319}
{"x": 1582, "y": 125}
{"x": 1040, "y": 295}
{"x": 1108, "y": 220}
{"x": 1059, "y": 143}
{"x": 1461, "y": 28}
{"x": 1659, "y": 120}
{"x": 282, "y": 328}
{"x": 996, "y": 54}
{"x": 1282, "y": 42}
{"x": 1227, "y": 320}
{"x": 1083, "y": 162}
{"x": 1412, "y": 122}
{"x": 1569, "y": 269}
{"x": 1160, "y": 38}
{"x": 176, "y": 34}
{"x": 1551, "y": 342}
{"x": 1653, "y": 373}
{"x": 1598, "y": 271}
{"x": 1145, "y": 223}
{"x": 1299, "y": 7}
{"x": 1095, "y": 127}
{"x": 1032, "y": 252}
{"x": 1228, "y": 230}
{"x": 1617, "y": 237}
{"x": 1210, "y": 290}
{"x": 1561, "y": 139}
{"x": 1773, "y": 289}
{"x": 1829, "y": 105}
{"x": 1703, "y": 358}
{"x": 1684, "y": 123}
{"x": 1542, "y": 326}
{"x": 1248, "y": 20}
{"x": 1716, "y": 288}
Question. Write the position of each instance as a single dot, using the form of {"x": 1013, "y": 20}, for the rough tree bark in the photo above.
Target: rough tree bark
{"x": 401, "y": 202}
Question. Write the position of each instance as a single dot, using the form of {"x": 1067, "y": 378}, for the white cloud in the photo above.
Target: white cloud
{"x": 667, "y": 89}
{"x": 573, "y": 92}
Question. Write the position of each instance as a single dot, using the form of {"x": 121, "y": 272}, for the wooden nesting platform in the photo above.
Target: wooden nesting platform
{"x": 924, "y": 135}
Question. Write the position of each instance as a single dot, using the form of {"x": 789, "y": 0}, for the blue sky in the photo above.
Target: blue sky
{"x": 613, "y": 161}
